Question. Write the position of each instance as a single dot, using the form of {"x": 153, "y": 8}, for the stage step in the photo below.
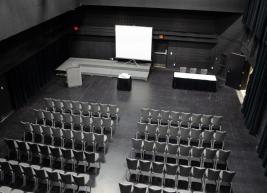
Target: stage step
{"x": 110, "y": 68}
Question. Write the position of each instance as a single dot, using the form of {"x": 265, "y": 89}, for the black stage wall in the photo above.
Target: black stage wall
{"x": 28, "y": 59}
{"x": 189, "y": 36}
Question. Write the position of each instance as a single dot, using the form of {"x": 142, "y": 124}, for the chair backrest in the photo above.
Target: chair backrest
{"x": 26, "y": 127}
{"x": 28, "y": 171}
{"x": 78, "y": 135}
{"x": 206, "y": 120}
{"x": 79, "y": 155}
{"x": 17, "y": 169}
{"x": 86, "y": 120}
{"x": 157, "y": 167}
{"x": 89, "y": 137}
{"x": 175, "y": 116}
{"x": 48, "y": 115}
{"x": 67, "y": 178}
{"x": 67, "y": 134}
{"x": 197, "y": 151}
{"x": 141, "y": 127}
{"x": 172, "y": 148}
{"x": 132, "y": 164}
{"x": 34, "y": 148}
{"x": 203, "y": 71}
{"x": 148, "y": 145}
{"x": 55, "y": 151}
{"x": 58, "y": 116}
{"x": 144, "y": 165}
{"x": 67, "y": 106}
{"x": 198, "y": 172}
{"x": 47, "y": 130}
{"x": 219, "y": 136}
{"x": 90, "y": 156}
{"x": 145, "y": 112}
{"x": 139, "y": 188}
{"x": 227, "y": 176}
{"x": 23, "y": 146}
{"x": 184, "y": 150}
{"x": 67, "y": 118}
{"x": 97, "y": 121}
{"x": 185, "y": 117}
{"x": 195, "y": 119}
{"x": 106, "y": 122}
{"x": 11, "y": 144}
{"x": 38, "y": 114}
{"x": 207, "y": 135}
{"x": 85, "y": 108}
{"x": 171, "y": 169}
{"x": 183, "y": 69}
{"x": 67, "y": 153}
{"x": 37, "y": 129}
{"x": 137, "y": 144}
{"x": 44, "y": 149}
{"x": 76, "y": 119}
{"x": 216, "y": 121}
{"x": 163, "y": 130}
{"x": 76, "y": 106}
{"x": 164, "y": 115}
{"x": 53, "y": 176}
{"x": 81, "y": 180}
{"x": 212, "y": 174}
{"x": 40, "y": 173}
{"x": 195, "y": 134}
{"x": 209, "y": 153}
{"x": 99, "y": 138}
{"x": 49, "y": 104}
{"x": 193, "y": 70}
{"x": 58, "y": 133}
{"x": 173, "y": 131}
{"x": 113, "y": 110}
{"x": 104, "y": 108}
{"x": 223, "y": 155}
{"x": 152, "y": 128}
{"x": 160, "y": 147}
{"x": 184, "y": 170}
{"x": 94, "y": 107}
{"x": 154, "y": 114}
{"x": 184, "y": 133}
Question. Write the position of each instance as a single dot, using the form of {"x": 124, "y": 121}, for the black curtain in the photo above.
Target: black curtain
{"x": 256, "y": 20}
{"x": 256, "y": 95}
{"x": 26, "y": 79}
{"x": 262, "y": 149}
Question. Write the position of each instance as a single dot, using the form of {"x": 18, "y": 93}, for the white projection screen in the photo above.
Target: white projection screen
{"x": 133, "y": 42}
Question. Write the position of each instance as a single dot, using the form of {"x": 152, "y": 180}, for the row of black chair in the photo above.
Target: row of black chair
{"x": 175, "y": 118}
{"x": 82, "y": 108}
{"x": 180, "y": 152}
{"x": 12, "y": 170}
{"x": 29, "y": 152}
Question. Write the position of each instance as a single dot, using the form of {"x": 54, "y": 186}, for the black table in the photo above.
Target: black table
{"x": 124, "y": 84}
{"x": 194, "y": 81}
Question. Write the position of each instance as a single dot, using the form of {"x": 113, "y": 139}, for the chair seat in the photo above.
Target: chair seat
{"x": 35, "y": 167}
{"x": 59, "y": 171}
{"x": 16, "y": 191}
{"x": 3, "y": 160}
{"x": 13, "y": 162}
{"x": 24, "y": 164}
{"x": 5, "y": 189}
{"x": 86, "y": 177}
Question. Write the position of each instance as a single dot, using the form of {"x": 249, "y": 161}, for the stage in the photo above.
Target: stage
{"x": 111, "y": 68}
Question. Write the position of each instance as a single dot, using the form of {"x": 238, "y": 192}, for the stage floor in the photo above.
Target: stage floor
{"x": 110, "y": 68}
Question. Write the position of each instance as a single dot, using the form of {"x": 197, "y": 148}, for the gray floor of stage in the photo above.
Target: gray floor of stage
{"x": 157, "y": 92}
{"x": 110, "y": 68}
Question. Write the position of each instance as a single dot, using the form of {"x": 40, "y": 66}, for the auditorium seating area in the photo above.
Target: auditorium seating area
{"x": 171, "y": 148}
{"x": 61, "y": 148}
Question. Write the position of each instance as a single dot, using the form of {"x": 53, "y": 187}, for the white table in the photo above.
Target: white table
{"x": 194, "y": 81}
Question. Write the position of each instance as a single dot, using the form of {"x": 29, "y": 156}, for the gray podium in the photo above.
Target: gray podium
{"x": 74, "y": 77}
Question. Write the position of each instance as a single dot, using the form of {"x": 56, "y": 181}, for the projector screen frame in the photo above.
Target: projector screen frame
{"x": 133, "y": 59}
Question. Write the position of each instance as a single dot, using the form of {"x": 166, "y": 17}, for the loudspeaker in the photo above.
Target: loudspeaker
{"x": 237, "y": 71}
